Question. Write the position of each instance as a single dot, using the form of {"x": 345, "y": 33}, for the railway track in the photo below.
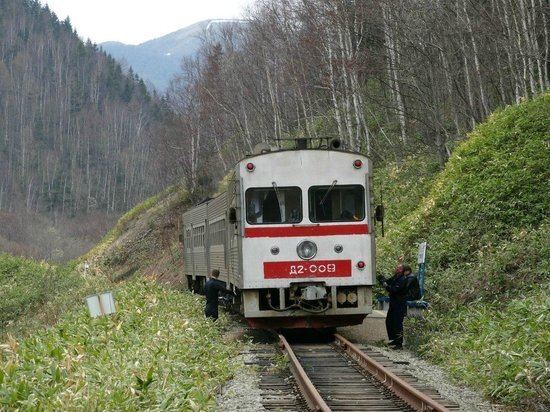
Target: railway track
{"x": 341, "y": 376}
{"x": 278, "y": 389}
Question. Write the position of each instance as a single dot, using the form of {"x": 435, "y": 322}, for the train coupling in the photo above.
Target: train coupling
{"x": 312, "y": 293}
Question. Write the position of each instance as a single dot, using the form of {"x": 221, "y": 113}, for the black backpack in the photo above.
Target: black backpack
{"x": 413, "y": 288}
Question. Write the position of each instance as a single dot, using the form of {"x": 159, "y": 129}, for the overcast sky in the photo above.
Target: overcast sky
{"x": 135, "y": 21}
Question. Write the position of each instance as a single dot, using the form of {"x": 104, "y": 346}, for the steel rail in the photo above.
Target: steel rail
{"x": 402, "y": 389}
{"x": 308, "y": 390}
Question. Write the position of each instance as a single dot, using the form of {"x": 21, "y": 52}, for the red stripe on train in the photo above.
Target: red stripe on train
{"x": 299, "y": 231}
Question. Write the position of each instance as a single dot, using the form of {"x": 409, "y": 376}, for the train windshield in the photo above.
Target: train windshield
{"x": 345, "y": 203}
{"x": 273, "y": 205}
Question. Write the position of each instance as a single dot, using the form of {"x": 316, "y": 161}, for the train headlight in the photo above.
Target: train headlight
{"x": 306, "y": 250}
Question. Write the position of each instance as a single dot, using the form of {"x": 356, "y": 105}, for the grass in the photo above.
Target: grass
{"x": 402, "y": 187}
{"x": 485, "y": 217}
{"x": 157, "y": 352}
{"x": 503, "y": 349}
{"x": 495, "y": 182}
{"x": 34, "y": 293}
{"x": 280, "y": 363}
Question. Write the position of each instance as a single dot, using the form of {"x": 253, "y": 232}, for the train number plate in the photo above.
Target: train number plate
{"x": 301, "y": 269}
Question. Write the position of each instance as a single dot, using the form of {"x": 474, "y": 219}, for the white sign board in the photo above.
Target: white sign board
{"x": 422, "y": 252}
{"x": 101, "y": 304}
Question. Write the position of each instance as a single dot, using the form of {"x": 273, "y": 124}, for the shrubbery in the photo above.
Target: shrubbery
{"x": 157, "y": 352}
{"x": 495, "y": 183}
{"x": 26, "y": 286}
{"x": 486, "y": 222}
{"x": 501, "y": 349}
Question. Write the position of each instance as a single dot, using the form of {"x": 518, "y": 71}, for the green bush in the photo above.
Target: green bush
{"x": 157, "y": 352}
{"x": 485, "y": 218}
{"x": 502, "y": 350}
{"x": 496, "y": 183}
{"x": 499, "y": 272}
{"x": 26, "y": 286}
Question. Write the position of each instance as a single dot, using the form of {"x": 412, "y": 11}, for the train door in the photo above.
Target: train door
{"x": 207, "y": 259}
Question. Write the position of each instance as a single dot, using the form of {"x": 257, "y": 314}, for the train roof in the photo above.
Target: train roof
{"x": 325, "y": 143}
{"x": 270, "y": 152}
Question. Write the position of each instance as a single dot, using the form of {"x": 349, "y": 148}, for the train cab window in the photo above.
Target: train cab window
{"x": 344, "y": 203}
{"x": 273, "y": 205}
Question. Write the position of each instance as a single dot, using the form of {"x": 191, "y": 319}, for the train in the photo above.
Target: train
{"x": 292, "y": 236}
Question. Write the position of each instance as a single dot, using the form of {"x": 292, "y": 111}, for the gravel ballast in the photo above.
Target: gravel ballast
{"x": 435, "y": 377}
{"x": 242, "y": 393}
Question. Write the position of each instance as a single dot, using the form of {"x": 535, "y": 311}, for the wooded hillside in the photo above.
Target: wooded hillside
{"x": 75, "y": 129}
{"x": 74, "y": 134}
{"x": 79, "y": 136}
{"x": 485, "y": 218}
{"x": 389, "y": 77}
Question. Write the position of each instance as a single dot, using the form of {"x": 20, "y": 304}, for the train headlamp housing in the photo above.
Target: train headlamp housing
{"x": 306, "y": 249}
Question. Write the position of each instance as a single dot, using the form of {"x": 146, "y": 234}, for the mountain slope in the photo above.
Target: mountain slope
{"x": 158, "y": 60}
{"x": 75, "y": 129}
{"x": 495, "y": 185}
{"x": 145, "y": 241}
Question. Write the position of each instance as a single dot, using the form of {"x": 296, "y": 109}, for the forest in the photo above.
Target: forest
{"x": 390, "y": 78}
{"x": 75, "y": 132}
{"x": 449, "y": 98}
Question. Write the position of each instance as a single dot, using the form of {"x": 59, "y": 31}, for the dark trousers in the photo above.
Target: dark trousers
{"x": 394, "y": 321}
{"x": 211, "y": 311}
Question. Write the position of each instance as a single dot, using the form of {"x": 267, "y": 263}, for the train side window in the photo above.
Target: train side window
{"x": 187, "y": 239}
{"x": 198, "y": 236}
{"x": 268, "y": 205}
{"x": 217, "y": 232}
{"x": 345, "y": 203}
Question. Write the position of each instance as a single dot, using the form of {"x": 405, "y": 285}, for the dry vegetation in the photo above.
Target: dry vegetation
{"x": 55, "y": 240}
{"x": 145, "y": 241}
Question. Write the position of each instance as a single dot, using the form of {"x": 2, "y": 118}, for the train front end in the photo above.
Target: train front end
{"x": 308, "y": 256}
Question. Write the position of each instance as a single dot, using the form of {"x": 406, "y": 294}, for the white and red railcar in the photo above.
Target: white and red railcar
{"x": 292, "y": 236}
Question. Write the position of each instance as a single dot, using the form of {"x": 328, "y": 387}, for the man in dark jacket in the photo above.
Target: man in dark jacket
{"x": 397, "y": 288}
{"x": 212, "y": 290}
